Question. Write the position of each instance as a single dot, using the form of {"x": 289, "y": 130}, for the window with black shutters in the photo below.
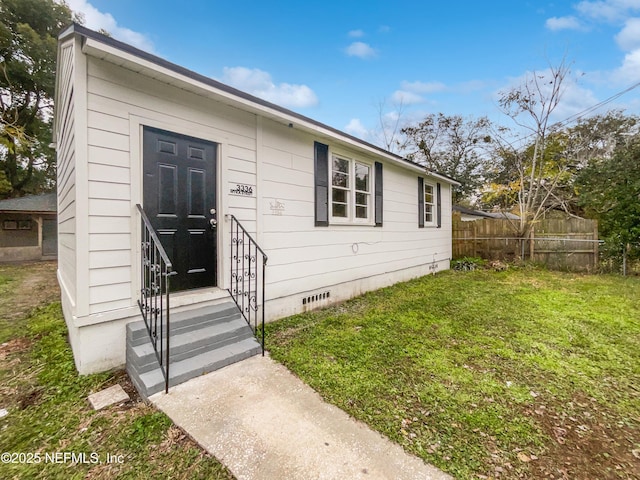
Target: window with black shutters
{"x": 347, "y": 190}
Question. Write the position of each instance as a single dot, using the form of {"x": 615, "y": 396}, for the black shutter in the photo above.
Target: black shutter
{"x": 378, "y": 194}
{"x": 439, "y": 205}
{"x": 420, "y": 202}
{"x": 321, "y": 175}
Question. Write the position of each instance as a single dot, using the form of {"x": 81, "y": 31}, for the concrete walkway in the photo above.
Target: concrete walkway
{"x": 263, "y": 423}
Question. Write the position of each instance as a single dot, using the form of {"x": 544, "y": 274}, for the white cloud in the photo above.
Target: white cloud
{"x": 618, "y": 13}
{"x": 575, "y": 99}
{"x": 356, "y": 128}
{"x": 259, "y": 83}
{"x": 412, "y": 93}
{"x": 563, "y": 23}
{"x": 629, "y": 71}
{"x": 97, "y": 20}
{"x": 384, "y": 29}
{"x": 391, "y": 117}
{"x": 417, "y": 92}
{"x": 607, "y": 10}
{"x": 629, "y": 36}
{"x": 356, "y": 33}
{"x": 403, "y": 97}
{"x": 423, "y": 87}
{"x": 360, "y": 49}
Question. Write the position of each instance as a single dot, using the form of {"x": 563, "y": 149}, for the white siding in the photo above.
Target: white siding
{"x": 303, "y": 257}
{"x": 119, "y": 101}
{"x": 66, "y": 163}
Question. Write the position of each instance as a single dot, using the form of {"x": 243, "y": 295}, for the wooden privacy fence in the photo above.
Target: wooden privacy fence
{"x": 567, "y": 244}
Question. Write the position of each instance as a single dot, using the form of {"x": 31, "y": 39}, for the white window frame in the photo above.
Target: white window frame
{"x": 351, "y": 195}
{"x": 433, "y": 204}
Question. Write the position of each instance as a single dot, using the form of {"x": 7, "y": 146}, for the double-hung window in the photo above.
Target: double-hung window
{"x": 346, "y": 190}
{"x": 429, "y": 204}
{"x": 350, "y": 190}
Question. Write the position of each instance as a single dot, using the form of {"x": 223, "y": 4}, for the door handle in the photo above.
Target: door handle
{"x": 213, "y": 222}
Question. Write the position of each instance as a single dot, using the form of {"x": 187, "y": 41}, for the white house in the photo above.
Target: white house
{"x": 335, "y": 215}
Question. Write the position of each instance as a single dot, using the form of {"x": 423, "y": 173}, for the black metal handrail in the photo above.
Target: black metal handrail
{"x": 245, "y": 272}
{"x": 155, "y": 270}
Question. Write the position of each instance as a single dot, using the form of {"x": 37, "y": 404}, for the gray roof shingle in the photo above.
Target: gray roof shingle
{"x": 45, "y": 203}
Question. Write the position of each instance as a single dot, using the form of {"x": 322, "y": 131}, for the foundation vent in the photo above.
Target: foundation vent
{"x": 315, "y": 298}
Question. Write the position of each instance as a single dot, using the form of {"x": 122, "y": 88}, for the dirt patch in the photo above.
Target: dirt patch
{"x": 31, "y": 398}
{"x": 121, "y": 377}
{"x": 15, "y": 345}
{"x": 36, "y": 285}
{"x": 587, "y": 442}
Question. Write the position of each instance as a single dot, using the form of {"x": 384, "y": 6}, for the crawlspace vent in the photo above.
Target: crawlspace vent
{"x": 315, "y": 298}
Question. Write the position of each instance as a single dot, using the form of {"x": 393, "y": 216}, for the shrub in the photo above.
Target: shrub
{"x": 466, "y": 264}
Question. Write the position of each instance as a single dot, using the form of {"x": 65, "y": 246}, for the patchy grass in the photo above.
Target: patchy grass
{"x": 514, "y": 374}
{"x": 49, "y": 412}
{"x": 22, "y": 288}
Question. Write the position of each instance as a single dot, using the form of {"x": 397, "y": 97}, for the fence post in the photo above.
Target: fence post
{"x": 531, "y": 243}
{"x": 595, "y": 246}
{"x": 474, "y": 231}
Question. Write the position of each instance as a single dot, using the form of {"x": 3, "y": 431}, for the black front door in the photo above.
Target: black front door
{"x": 180, "y": 200}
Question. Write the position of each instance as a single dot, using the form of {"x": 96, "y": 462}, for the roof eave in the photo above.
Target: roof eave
{"x": 444, "y": 178}
{"x": 28, "y": 212}
{"x": 119, "y": 53}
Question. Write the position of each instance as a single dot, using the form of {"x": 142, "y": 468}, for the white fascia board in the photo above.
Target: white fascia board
{"x": 443, "y": 178}
{"x": 70, "y": 30}
{"x": 145, "y": 67}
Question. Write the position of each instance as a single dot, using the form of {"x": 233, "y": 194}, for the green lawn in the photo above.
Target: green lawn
{"x": 49, "y": 412}
{"x": 517, "y": 374}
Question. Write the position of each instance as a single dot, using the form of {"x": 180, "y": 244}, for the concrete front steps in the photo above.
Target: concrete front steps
{"x": 202, "y": 340}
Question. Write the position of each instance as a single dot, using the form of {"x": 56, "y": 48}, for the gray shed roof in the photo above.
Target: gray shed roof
{"x": 470, "y": 211}
{"x": 481, "y": 214}
{"x": 503, "y": 215}
{"x": 45, "y": 203}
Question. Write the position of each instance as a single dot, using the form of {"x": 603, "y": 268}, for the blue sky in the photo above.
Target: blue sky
{"x": 343, "y": 62}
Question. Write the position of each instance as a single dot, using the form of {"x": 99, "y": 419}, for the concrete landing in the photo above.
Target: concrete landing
{"x": 263, "y": 423}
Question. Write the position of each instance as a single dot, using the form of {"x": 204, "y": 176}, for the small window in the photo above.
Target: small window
{"x": 350, "y": 190}
{"x": 430, "y": 212}
{"x": 363, "y": 191}
{"x": 17, "y": 225}
{"x": 10, "y": 225}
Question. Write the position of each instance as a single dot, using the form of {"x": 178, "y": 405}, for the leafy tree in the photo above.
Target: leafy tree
{"x": 593, "y": 139}
{"x": 452, "y": 145}
{"x": 597, "y": 137}
{"x": 28, "y": 43}
{"x": 534, "y": 172}
{"x": 555, "y": 174}
{"x": 609, "y": 190}
{"x": 566, "y": 153}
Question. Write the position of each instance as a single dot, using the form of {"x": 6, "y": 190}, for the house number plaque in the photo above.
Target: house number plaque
{"x": 242, "y": 189}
